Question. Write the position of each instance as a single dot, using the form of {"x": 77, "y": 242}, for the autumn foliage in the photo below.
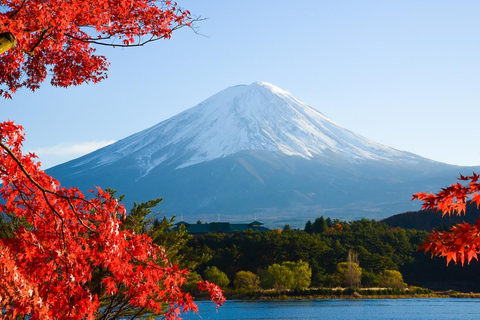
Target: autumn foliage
{"x": 58, "y": 37}
{"x": 462, "y": 242}
{"x": 69, "y": 258}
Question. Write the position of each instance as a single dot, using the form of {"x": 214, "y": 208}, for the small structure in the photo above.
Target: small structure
{"x": 220, "y": 227}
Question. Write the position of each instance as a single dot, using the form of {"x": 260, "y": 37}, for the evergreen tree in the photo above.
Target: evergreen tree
{"x": 320, "y": 225}
{"x": 308, "y": 227}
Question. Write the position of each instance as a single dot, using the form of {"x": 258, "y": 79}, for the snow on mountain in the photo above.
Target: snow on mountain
{"x": 260, "y": 117}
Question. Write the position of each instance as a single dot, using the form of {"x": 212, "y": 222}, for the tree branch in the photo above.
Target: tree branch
{"x": 97, "y": 41}
{"x": 45, "y": 191}
{"x": 40, "y": 39}
{"x": 18, "y": 10}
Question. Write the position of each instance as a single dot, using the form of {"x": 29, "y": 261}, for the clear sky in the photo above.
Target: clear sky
{"x": 402, "y": 73}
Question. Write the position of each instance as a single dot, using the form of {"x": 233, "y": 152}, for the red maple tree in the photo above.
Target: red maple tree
{"x": 47, "y": 267}
{"x": 462, "y": 242}
{"x": 58, "y": 36}
{"x": 68, "y": 258}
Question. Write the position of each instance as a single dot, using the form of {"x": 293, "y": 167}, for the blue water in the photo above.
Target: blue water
{"x": 381, "y": 309}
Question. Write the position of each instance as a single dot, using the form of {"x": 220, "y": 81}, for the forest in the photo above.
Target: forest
{"x": 330, "y": 253}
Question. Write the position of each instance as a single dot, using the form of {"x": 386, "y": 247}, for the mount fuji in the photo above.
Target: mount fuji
{"x": 256, "y": 151}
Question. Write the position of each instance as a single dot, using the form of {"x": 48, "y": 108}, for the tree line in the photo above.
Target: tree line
{"x": 332, "y": 253}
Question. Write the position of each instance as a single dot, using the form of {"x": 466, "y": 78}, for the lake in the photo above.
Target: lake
{"x": 341, "y": 309}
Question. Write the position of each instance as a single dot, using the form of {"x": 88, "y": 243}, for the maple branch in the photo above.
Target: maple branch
{"x": 49, "y": 282}
{"x": 45, "y": 191}
{"x": 26, "y": 203}
{"x": 138, "y": 313}
{"x": 22, "y": 196}
{"x": 18, "y": 10}
{"x": 94, "y": 41}
{"x": 40, "y": 39}
{"x": 195, "y": 28}
{"x": 120, "y": 309}
{"x": 139, "y": 43}
{"x": 110, "y": 306}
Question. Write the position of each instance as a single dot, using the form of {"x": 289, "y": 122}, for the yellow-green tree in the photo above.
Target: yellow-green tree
{"x": 277, "y": 277}
{"x": 392, "y": 279}
{"x": 246, "y": 281}
{"x": 288, "y": 275}
{"x": 350, "y": 271}
{"x": 302, "y": 274}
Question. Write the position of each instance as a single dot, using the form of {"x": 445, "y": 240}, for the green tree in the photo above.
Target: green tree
{"x": 320, "y": 225}
{"x": 329, "y": 222}
{"x": 392, "y": 279}
{"x": 137, "y": 219}
{"x": 370, "y": 279}
{"x": 350, "y": 274}
{"x": 277, "y": 277}
{"x": 302, "y": 274}
{"x": 141, "y": 219}
{"x": 246, "y": 281}
{"x": 308, "y": 227}
{"x": 213, "y": 274}
{"x": 350, "y": 271}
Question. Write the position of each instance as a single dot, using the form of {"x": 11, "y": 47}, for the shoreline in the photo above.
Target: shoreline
{"x": 359, "y": 297}
{"x": 350, "y": 293}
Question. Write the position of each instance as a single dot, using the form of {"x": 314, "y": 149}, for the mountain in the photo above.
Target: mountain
{"x": 255, "y": 150}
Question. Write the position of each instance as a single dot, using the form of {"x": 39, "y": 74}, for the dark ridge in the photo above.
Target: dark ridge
{"x": 432, "y": 220}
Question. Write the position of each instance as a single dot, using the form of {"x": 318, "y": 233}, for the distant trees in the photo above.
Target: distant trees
{"x": 378, "y": 247}
{"x": 320, "y": 225}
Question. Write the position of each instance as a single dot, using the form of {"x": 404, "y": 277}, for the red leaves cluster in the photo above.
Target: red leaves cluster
{"x": 47, "y": 267}
{"x": 214, "y": 292}
{"x": 461, "y": 242}
{"x": 56, "y": 36}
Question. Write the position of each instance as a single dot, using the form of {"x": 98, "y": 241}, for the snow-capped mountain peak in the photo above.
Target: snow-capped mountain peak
{"x": 255, "y": 117}
{"x": 257, "y": 149}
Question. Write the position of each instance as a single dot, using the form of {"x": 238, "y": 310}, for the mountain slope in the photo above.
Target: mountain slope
{"x": 257, "y": 150}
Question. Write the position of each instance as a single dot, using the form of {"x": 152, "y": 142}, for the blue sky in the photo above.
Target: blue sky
{"x": 402, "y": 73}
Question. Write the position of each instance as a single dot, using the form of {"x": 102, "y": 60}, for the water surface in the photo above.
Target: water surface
{"x": 332, "y": 309}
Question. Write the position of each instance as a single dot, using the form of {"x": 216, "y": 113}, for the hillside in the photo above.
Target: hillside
{"x": 429, "y": 220}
